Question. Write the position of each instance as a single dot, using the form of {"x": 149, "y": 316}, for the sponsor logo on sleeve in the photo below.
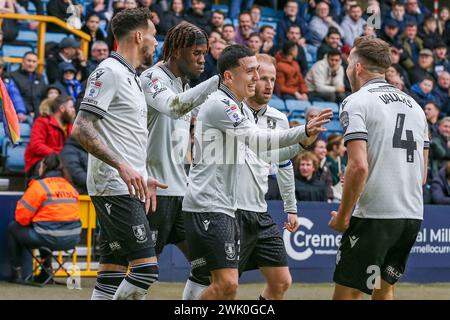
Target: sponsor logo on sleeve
{"x": 344, "y": 120}
{"x": 94, "y": 88}
{"x": 234, "y": 115}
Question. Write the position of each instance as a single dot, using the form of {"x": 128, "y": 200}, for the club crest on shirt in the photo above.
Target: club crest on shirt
{"x": 98, "y": 73}
{"x": 94, "y": 88}
{"x": 234, "y": 114}
{"x": 140, "y": 233}
{"x": 271, "y": 123}
{"x": 230, "y": 251}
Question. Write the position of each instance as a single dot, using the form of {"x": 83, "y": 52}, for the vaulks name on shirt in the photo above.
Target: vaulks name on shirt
{"x": 394, "y": 97}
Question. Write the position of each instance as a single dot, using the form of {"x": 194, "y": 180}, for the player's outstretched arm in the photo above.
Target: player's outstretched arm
{"x": 355, "y": 180}
{"x": 87, "y": 135}
{"x": 163, "y": 99}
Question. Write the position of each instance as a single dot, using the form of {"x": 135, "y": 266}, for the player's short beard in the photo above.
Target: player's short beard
{"x": 259, "y": 99}
{"x": 147, "y": 56}
{"x": 354, "y": 82}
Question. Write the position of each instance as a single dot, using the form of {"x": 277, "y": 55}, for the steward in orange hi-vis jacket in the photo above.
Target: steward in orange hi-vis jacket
{"x": 48, "y": 215}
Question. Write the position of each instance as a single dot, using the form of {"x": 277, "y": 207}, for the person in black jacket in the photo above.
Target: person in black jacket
{"x": 92, "y": 28}
{"x": 308, "y": 185}
{"x": 38, "y": 4}
{"x": 75, "y": 160}
{"x": 294, "y": 35}
{"x": 59, "y": 9}
{"x": 173, "y": 17}
{"x": 198, "y": 16}
{"x": 440, "y": 186}
{"x": 211, "y": 60}
{"x": 30, "y": 83}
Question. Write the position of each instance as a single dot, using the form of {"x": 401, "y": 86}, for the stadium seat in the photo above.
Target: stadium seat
{"x": 220, "y": 7}
{"x": 25, "y": 130}
{"x": 2, "y": 136}
{"x": 158, "y": 51}
{"x": 28, "y": 36}
{"x": 14, "y": 156}
{"x": 263, "y": 23}
{"x": 325, "y": 104}
{"x": 267, "y": 12}
{"x": 15, "y": 51}
{"x": 334, "y": 126}
{"x": 54, "y": 37}
{"x": 277, "y": 104}
{"x": 297, "y": 106}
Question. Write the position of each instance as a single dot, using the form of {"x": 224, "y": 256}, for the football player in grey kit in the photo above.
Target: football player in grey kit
{"x": 212, "y": 232}
{"x": 386, "y": 135}
{"x": 171, "y": 104}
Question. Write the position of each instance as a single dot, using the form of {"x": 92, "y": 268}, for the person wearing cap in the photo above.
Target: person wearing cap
{"x": 60, "y": 9}
{"x": 412, "y": 44}
{"x": 442, "y": 62}
{"x": 30, "y": 84}
{"x": 69, "y": 51}
{"x": 68, "y": 84}
{"x": 390, "y": 33}
{"x": 14, "y": 93}
{"x": 424, "y": 67}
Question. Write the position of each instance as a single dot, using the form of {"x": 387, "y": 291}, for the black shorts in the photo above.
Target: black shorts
{"x": 124, "y": 230}
{"x": 374, "y": 247}
{"x": 167, "y": 223}
{"x": 213, "y": 241}
{"x": 261, "y": 242}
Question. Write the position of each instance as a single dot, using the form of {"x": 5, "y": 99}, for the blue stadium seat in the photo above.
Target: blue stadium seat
{"x": 297, "y": 106}
{"x": 334, "y": 126}
{"x": 297, "y": 119}
{"x": 54, "y": 37}
{"x": 263, "y": 23}
{"x": 14, "y": 157}
{"x": 28, "y": 36}
{"x": 158, "y": 51}
{"x": 268, "y": 12}
{"x": 220, "y": 7}
{"x": 277, "y": 103}
{"x": 25, "y": 130}
{"x": 15, "y": 51}
{"x": 2, "y": 136}
{"x": 326, "y": 104}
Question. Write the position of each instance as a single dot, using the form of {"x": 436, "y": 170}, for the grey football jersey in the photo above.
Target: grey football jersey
{"x": 115, "y": 95}
{"x": 214, "y": 174}
{"x": 253, "y": 176}
{"x": 169, "y": 119}
{"x": 396, "y": 131}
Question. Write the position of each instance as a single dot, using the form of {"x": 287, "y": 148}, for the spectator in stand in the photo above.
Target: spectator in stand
{"x": 422, "y": 91}
{"x": 75, "y": 160}
{"x": 198, "y": 16}
{"x": 390, "y": 33}
{"x": 308, "y": 185}
{"x": 267, "y": 34}
{"x": 428, "y": 33}
{"x": 38, "y": 4}
{"x": 352, "y": 25}
{"x": 442, "y": 62}
{"x": 61, "y": 10}
{"x": 432, "y": 111}
{"x": 229, "y": 34}
{"x": 92, "y": 28}
{"x": 290, "y": 18}
{"x": 98, "y": 8}
{"x": 416, "y": 12}
{"x": 211, "y": 60}
{"x": 9, "y": 27}
{"x": 214, "y": 36}
{"x": 369, "y": 31}
{"x": 157, "y": 13}
{"x": 30, "y": 84}
{"x": 173, "y": 17}
{"x": 290, "y": 83}
{"x": 442, "y": 92}
{"x": 440, "y": 186}
{"x": 255, "y": 13}
{"x": 48, "y": 134}
{"x": 440, "y": 147}
{"x": 395, "y": 58}
{"x": 294, "y": 35}
{"x": 68, "y": 84}
{"x": 131, "y": 4}
{"x": 117, "y": 6}
{"x": 236, "y": 6}
{"x": 336, "y": 162}
{"x": 254, "y": 42}
{"x": 320, "y": 24}
{"x": 444, "y": 16}
{"x": 99, "y": 52}
{"x": 397, "y": 82}
{"x": 323, "y": 172}
{"x": 325, "y": 80}
{"x": 217, "y": 21}
{"x": 50, "y": 94}
{"x": 14, "y": 94}
{"x": 412, "y": 45}
{"x": 332, "y": 41}
{"x": 398, "y": 14}
{"x": 47, "y": 215}
{"x": 424, "y": 68}
{"x": 245, "y": 28}
{"x": 69, "y": 51}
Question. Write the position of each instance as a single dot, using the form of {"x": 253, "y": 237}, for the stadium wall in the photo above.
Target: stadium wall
{"x": 312, "y": 249}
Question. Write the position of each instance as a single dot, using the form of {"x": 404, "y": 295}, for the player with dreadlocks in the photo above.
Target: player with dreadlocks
{"x": 170, "y": 106}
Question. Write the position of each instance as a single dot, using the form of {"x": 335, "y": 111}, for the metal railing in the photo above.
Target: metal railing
{"x": 43, "y": 21}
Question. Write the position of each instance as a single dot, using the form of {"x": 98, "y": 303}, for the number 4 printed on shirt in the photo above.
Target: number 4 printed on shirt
{"x": 409, "y": 144}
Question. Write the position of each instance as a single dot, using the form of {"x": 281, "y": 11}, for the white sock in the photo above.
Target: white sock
{"x": 193, "y": 290}
{"x": 128, "y": 291}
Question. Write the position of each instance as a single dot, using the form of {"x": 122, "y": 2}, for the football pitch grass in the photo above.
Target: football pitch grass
{"x": 173, "y": 291}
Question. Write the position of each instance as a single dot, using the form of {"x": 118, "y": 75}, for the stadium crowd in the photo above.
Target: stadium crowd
{"x": 311, "y": 41}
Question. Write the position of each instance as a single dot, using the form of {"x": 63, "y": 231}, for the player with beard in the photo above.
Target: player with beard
{"x": 170, "y": 106}
{"x": 112, "y": 127}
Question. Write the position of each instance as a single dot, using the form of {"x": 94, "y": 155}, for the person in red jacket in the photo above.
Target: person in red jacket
{"x": 49, "y": 134}
{"x": 290, "y": 83}
{"x": 48, "y": 215}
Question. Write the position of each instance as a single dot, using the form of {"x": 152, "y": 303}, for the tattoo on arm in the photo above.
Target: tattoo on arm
{"x": 87, "y": 136}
